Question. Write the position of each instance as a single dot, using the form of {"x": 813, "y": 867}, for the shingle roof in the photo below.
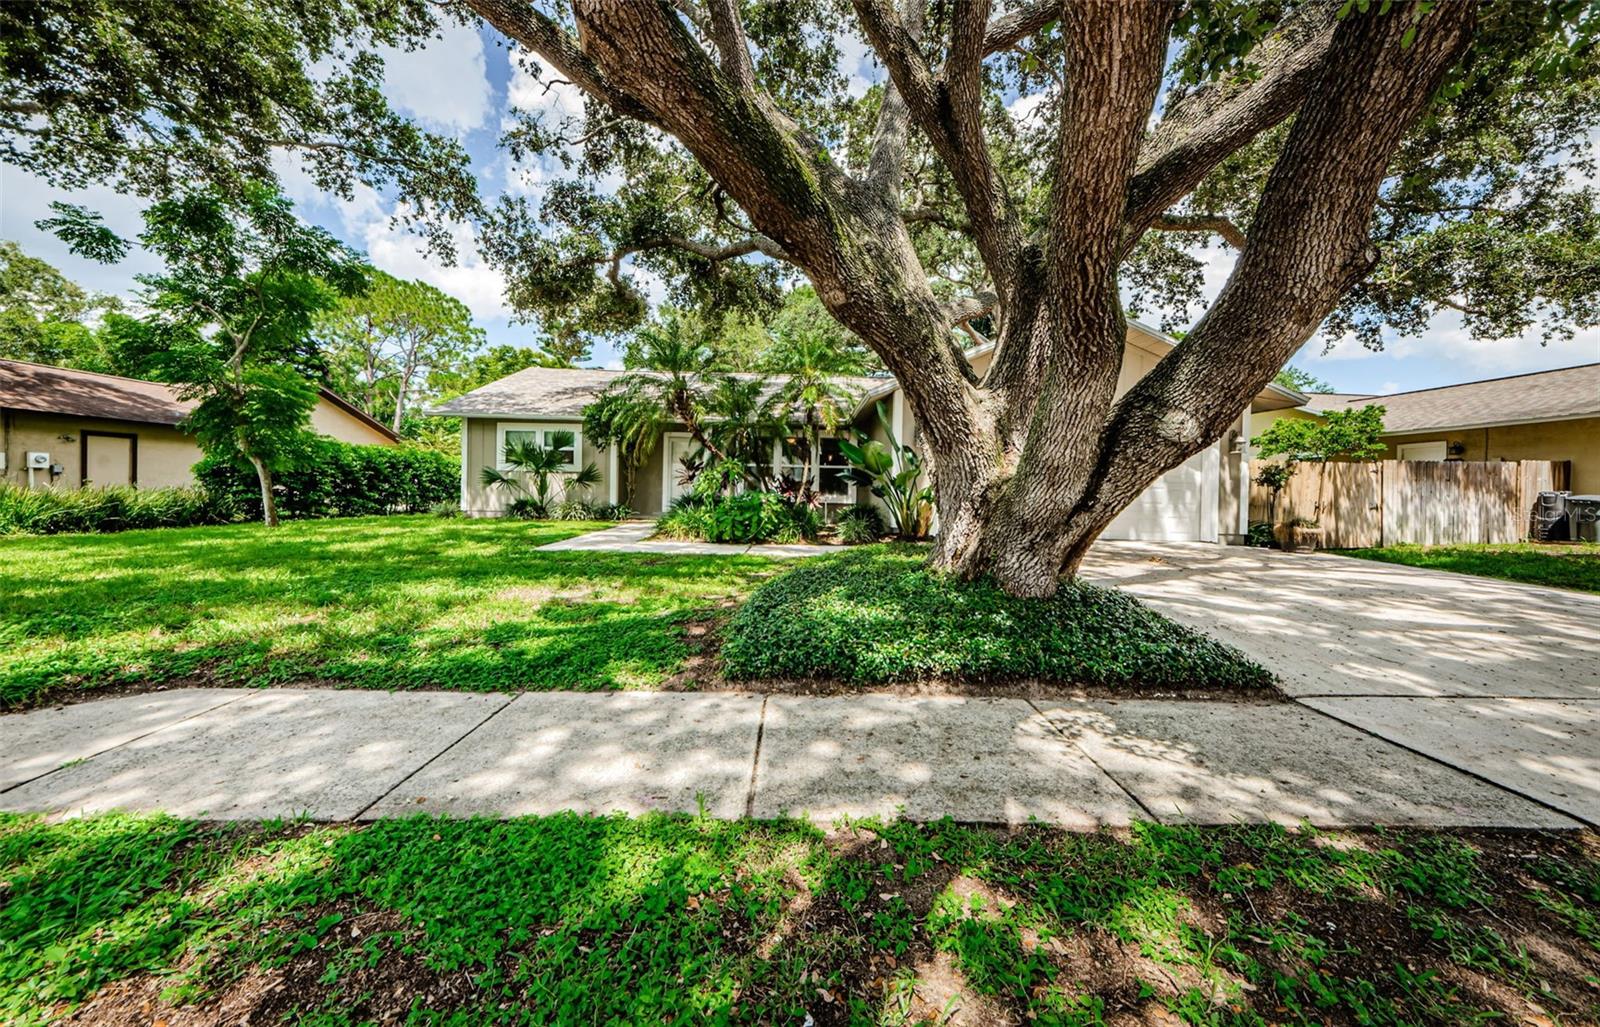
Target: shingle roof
{"x": 1322, "y": 402}
{"x": 46, "y": 389}
{"x": 61, "y": 390}
{"x": 563, "y": 392}
{"x": 1564, "y": 393}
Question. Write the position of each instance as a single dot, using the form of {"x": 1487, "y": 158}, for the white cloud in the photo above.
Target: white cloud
{"x": 858, "y": 64}
{"x": 1025, "y": 107}
{"x": 25, "y": 198}
{"x": 444, "y": 83}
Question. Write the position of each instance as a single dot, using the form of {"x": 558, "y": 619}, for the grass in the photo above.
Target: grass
{"x": 878, "y": 614}
{"x": 1563, "y": 566}
{"x": 576, "y": 919}
{"x": 382, "y": 602}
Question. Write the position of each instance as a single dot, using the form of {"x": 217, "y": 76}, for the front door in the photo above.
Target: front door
{"x": 679, "y": 446}
{"x": 108, "y": 458}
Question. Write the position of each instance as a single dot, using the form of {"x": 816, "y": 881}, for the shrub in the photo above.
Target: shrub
{"x": 573, "y": 510}
{"x": 614, "y": 512}
{"x": 114, "y": 508}
{"x": 338, "y": 479}
{"x": 683, "y": 521}
{"x": 445, "y": 508}
{"x": 859, "y": 524}
{"x": 1260, "y": 534}
{"x": 881, "y": 614}
{"x": 526, "y": 508}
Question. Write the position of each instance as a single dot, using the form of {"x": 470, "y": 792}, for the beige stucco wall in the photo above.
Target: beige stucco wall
{"x": 164, "y": 455}
{"x": 337, "y": 423}
{"x": 1577, "y": 441}
{"x": 480, "y": 439}
{"x": 1260, "y": 421}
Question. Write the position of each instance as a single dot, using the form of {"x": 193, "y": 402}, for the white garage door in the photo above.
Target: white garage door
{"x": 1179, "y": 506}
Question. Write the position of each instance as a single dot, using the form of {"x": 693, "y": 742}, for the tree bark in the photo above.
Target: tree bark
{"x": 269, "y": 502}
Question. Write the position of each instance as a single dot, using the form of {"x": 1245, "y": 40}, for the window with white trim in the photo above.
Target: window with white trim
{"x": 544, "y": 435}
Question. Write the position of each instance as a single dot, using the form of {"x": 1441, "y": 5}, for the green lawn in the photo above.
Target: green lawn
{"x": 381, "y": 602}
{"x": 1564, "y": 566}
{"x": 577, "y": 919}
{"x": 428, "y": 602}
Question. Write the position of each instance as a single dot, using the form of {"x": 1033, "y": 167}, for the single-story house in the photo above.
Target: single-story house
{"x": 1544, "y": 415}
{"x": 67, "y": 428}
{"x": 1205, "y": 499}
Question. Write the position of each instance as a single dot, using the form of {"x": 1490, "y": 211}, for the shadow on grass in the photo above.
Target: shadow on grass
{"x": 693, "y": 920}
{"x": 377, "y": 602}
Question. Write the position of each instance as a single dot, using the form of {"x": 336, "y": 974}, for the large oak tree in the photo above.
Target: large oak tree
{"x": 1020, "y": 168}
{"x": 1325, "y": 109}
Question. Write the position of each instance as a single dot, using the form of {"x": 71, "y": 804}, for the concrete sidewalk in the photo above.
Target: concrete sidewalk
{"x": 350, "y": 754}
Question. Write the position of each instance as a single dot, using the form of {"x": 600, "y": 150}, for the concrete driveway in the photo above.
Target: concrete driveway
{"x": 1495, "y": 678}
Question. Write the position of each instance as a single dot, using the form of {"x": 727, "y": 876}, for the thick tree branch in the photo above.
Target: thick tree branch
{"x": 520, "y": 20}
{"x": 732, "y": 44}
{"x": 1214, "y": 223}
{"x": 886, "y": 168}
{"x": 1308, "y": 244}
{"x": 950, "y": 116}
{"x": 1205, "y": 126}
{"x": 1013, "y": 27}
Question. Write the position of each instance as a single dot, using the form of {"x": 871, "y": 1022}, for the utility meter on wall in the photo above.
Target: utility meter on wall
{"x": 39, "y": 461}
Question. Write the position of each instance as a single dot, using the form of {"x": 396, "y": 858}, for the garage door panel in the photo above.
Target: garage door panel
{"x": 1169, "y": 510}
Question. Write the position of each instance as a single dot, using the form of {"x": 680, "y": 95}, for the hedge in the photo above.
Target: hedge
{"x": 338, "y": 479}
{"x": 53, "y": 511}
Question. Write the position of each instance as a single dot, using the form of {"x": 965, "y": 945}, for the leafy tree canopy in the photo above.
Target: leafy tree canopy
{"x": 155, "y": 96}
{"x": 381, "y": 344}
{"x": 1339, "y": 435}
{"x": 230, "y": 316}
{"x": 1302, "y": 381}
{"x": 47, "y": 318}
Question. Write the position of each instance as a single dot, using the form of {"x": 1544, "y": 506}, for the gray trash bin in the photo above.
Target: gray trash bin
{"x": 1549, "y": 522}
{"x": 1583, "y": 518}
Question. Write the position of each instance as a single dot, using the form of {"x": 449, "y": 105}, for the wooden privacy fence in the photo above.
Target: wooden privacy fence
{"x": 1380, "y": 503}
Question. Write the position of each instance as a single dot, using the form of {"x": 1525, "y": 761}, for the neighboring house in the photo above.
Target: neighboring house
{"x": 1545, "y": 415}
{"x": 102, "y": 429}
{"x": 1204, "y": 499}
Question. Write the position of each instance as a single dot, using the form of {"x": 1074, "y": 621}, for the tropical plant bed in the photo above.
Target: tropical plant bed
{"x": 580, "y": 919}
{"x": 878, "y": 615}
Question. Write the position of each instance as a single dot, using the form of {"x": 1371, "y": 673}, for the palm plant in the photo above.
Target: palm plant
{"x": 527, "y": 459}
{"x": 811, "y": 391}
{"x": 891, "y": 472}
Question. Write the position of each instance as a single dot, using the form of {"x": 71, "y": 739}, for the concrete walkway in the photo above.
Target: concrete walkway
{"x": 1499, "y": 679}
{"x": 349, "y": 754}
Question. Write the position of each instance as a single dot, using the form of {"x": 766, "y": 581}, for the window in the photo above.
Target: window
{"x": 544, "y": 435}
{"x": 831, "y": 475}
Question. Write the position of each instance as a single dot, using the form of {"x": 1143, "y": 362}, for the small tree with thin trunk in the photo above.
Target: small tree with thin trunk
{"x": 230, "y": 316}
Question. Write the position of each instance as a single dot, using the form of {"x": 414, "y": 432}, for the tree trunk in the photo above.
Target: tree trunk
{"x": 269, "y": 502}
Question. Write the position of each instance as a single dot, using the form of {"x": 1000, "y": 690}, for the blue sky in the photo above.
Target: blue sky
{"x": 461, "y": 85}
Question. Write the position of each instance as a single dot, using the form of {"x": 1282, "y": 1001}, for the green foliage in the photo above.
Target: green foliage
{"x": 42, "y": 315}
{"x": 158, "y": 97}
{"x": 478, "y": 370}
{"x": 1260, "y": 534}
{"x": 859, "y": 524}
{"x": 418, "y": 601}
{"x": 658, "y": 919}
{"x": 231, "y": 316}
{"x": 880, "y": 614}
{"x": 328, "y": 478}
{"x": 1561, "y": 566}
{"x": 743, "y": 518}
{"x": 547, "y": 466}
{"x": 1302, "y": 381}
{"x": 893, "y": 473}
{"x": 1341, "y": 434}
{"x": 381, "y": 345}
{"x": 25, "y": 511}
